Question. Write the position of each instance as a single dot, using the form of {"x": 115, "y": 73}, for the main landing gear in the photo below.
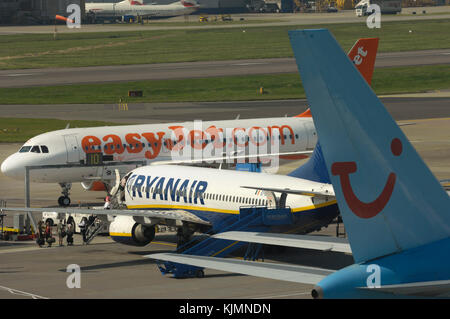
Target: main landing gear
{"x": 64, "y": 200}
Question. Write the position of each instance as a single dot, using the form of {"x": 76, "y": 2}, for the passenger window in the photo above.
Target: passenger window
{"x": 25, "y": 149}
{"x": 35, "y": 149}
{"x": 44, "y": 149}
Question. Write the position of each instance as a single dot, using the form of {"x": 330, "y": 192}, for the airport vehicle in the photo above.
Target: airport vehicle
{"x": 269, "y": 8}
{"x": 386, "y": 7}
{"x": 131, "y": 9}
{"x": 91, "y": 155}
{"x": 394, "y": 210}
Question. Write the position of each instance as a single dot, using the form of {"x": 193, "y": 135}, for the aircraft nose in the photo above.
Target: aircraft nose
{"x": 10, "y": 168}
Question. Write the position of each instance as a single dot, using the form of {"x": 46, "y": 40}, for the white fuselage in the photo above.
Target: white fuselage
{"x": 143, "y": 144}
{"x": 124, "y": 8}
{"x": 212, "y": 193}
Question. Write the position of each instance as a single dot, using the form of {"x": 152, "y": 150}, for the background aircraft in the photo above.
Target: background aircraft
{"x": 395, "y": 211}
{"x": 130, "y": 9}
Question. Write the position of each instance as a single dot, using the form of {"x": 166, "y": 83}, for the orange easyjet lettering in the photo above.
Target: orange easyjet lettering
{"x": 155, "y": 144}
{"x": 114, "y": 146}
{"x": 90, "y": 144}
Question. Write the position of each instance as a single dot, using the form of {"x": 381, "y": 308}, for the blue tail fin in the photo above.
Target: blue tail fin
{"x": 314, "y": 169}
{"x": 389, "y": 199}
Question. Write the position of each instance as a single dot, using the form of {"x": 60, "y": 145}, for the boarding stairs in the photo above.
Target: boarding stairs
{"x": 256, "y": 219}
{"x": 93, "y": 230}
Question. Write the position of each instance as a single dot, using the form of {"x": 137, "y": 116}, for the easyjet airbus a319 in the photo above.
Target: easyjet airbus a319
{"x": 91, "y": 155}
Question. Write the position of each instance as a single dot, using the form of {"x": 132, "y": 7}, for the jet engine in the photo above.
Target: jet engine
{"x": 126, "y": 231}
{"x": 93, "y": 186}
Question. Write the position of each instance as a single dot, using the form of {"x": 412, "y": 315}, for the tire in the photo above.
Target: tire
{"x": 65, "y": 201}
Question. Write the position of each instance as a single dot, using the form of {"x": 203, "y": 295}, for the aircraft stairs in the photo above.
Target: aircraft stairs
{"x": 93, "y": 230}
{"x": 258, "y": 219}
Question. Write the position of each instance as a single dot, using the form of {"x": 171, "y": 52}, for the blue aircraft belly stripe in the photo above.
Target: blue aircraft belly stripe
{"x": 216, "y": 215}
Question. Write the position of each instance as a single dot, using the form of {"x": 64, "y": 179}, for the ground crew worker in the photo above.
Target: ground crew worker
{"x": 61, "y": 232}
{"x": 69, "y": 234}
{"x": 40, "y": 240}
{"x": 48, "y": 235}
{"x": 82, "y": 226}
{"x": 107, "y": 203}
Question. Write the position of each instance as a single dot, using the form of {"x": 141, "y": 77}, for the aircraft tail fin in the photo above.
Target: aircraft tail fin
{"x": 189, "y": 3}
{"x": 363, "y": 54}
{"x": 136, "y": 2}
{"x": 388, "y": 198}
{"x": 314, "y": 169}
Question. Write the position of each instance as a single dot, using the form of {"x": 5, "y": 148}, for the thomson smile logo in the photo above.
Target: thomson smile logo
{"x": 359, "y": 208}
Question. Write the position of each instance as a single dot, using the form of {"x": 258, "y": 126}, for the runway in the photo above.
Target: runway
{"x": 401, "y": 108}
{"x": 186, "y": 70}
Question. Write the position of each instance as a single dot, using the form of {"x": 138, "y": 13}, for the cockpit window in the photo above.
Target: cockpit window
{"x": 25, "y": 149}
{"x": 44, "y": 149}
{"x": 35, "y": 149}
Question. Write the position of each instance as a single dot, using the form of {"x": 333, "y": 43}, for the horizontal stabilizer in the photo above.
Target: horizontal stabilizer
{"x": 293, "y": 273}
{"x": 296, "y": 241}
{"x": 162, "y": 215}
{"x": 440, "y": 288}
{"x": 325, "y": 192}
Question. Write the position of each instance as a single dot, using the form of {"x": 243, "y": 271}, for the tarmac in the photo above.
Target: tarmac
{"x": 112, "y": 270}
{"x": 188, "y": 70}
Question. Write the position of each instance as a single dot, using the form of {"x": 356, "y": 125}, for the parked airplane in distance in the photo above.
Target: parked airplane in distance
{"x": 133, "y": 8}
{"x": 126, "y": 147}
{"x": 395, "y": 211}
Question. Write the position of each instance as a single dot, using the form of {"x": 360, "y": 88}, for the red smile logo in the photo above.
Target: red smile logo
{"x": 359, "y": 208}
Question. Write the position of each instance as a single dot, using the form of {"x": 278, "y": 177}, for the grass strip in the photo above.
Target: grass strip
{"x": 140, "y": 47}
{"x": 15, "y": 130}
{"x": 234, "y": 88}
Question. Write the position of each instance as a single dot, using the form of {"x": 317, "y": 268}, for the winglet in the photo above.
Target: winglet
{"x": 307, "y": 113}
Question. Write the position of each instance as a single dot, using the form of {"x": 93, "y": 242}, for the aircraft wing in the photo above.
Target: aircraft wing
{"x": 226, "y": 158}
{"x": 439, "y": 288}
{"x": 162, "y": 215}
{"x": 305, "y": 192}
{"x": 288, "y": 240}
{"x": 293, "y": 273}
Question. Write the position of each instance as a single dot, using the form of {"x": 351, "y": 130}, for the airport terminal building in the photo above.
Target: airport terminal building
{"x": 24, "y": 12}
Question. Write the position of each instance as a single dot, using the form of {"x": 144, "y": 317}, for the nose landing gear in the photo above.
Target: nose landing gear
{"x": 64, "y": 200}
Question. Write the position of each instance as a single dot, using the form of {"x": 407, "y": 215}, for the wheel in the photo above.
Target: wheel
{"x": 200, "y": 273}
{"x": 64, "y": 201}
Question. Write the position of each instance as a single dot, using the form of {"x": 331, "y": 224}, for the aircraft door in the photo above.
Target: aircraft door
{"x": 73, "y": 152}
{"x": 311, "y": 134}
